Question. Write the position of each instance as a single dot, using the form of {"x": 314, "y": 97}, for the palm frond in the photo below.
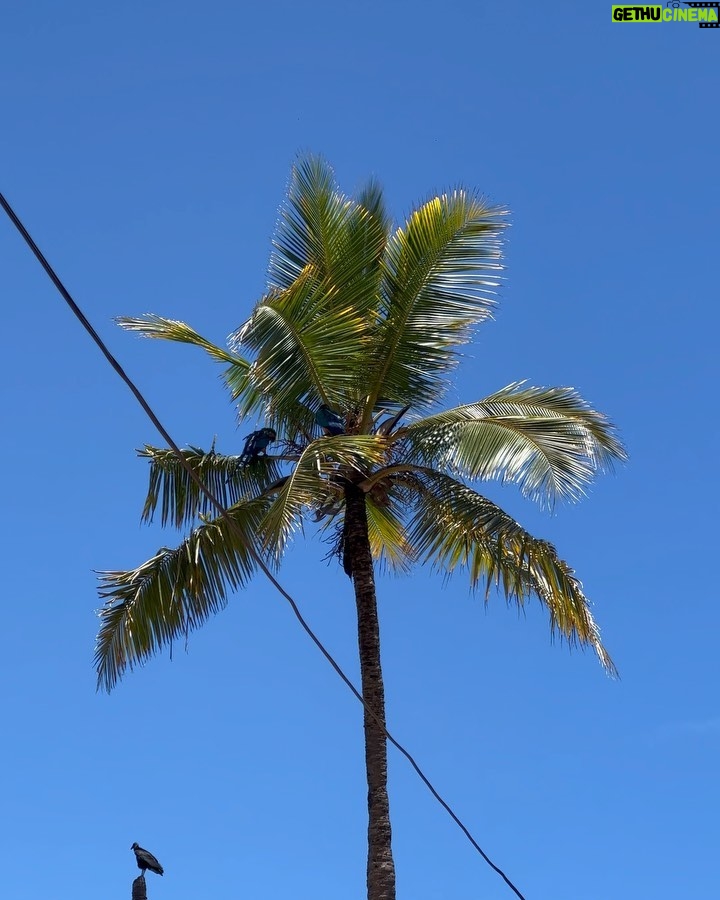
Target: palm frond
{"x": 235, "y": 376}
{"x": 308, "y": 344}
{"x": 549, "y": 441}
{"x": 389, "y": 542}
{"x": 310, "y": 333}
{"x": 455, "y": 528}
{"x": 178, "y": 496}
{"x": 175, "y": 591}
{"x": 372, "y": 200}
{"x": 339, "y": 238}
{"x": 441, "y": 271}
{"x": 247, "y": 396}
{"x": 153, "y": 326}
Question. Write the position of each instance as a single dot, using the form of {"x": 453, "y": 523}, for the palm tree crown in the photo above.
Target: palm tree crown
{"x": 364, "y": 320}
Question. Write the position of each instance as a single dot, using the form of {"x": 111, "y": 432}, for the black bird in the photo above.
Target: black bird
{"x": 255, "y": 444}
{"x": 331, "y": 422}
{"x": 146, "y": 860}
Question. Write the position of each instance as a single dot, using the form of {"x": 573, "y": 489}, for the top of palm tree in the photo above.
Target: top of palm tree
{"x": 366, "y": 319}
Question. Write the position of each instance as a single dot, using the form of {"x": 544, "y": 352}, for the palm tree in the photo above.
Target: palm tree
{"x": 365, "y": 319}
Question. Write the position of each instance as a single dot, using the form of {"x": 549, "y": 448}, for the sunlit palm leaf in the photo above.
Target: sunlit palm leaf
{"x": 441, "y": 270}
{"x": 314, "y": 326}
{"x": 153, "y": 326}
{"x": 236, "y": 376}
{"x": 456, "y": 528}
{"x": 308, "y": 345}
{"x": 371, "y": 199}
{"x": 339, "y": 238}
{"x": 179, "y": 497}
{"x": 547, "y": 440}
{"x": 174, "y": 592}
{"x": 313, "y": 213}
{"x": 389, "y": 542}
{"x": 244, "y": 392}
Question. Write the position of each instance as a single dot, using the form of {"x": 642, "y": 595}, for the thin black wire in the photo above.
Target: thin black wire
{"x": 224, "y": 514}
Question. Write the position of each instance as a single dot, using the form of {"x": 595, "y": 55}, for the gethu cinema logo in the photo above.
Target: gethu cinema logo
{"x": 705, "y": 14}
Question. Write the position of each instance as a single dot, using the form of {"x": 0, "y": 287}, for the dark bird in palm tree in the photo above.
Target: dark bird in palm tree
{"x": 146, "y": 860}
{"x": 256, "y": 444}
{"x": 331, "y": 422}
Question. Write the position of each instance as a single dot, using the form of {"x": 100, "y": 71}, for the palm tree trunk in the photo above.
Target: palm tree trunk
{"x": 359, "y": 565}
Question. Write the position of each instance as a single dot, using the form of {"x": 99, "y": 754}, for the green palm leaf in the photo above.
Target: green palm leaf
{"x": 310, "y": 334}
{"x": 153, "y": 326}
{"x": 305, "y": 340}
{"x": 177, "y": 494}
{"x": 175, "y": 592}
{"x": 455, "y": 528}
{"x": 389, "y": 541}
{"x": 440, "y": 272}
{"x": 236, "y": 376}
{"x": 339, "y": 238}
{"x": 547, "y": 440}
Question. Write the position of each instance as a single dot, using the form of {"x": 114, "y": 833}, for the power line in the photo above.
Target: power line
{"x": 224, "y": 514}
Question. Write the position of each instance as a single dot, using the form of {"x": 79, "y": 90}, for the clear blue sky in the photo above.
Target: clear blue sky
{"x": 147, "y": 147}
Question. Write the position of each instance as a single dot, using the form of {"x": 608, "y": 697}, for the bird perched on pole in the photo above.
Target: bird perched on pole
{"x": 146, "y": 860}
{"x": 331, "y": 422}
{"x": 256, "y": 444}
